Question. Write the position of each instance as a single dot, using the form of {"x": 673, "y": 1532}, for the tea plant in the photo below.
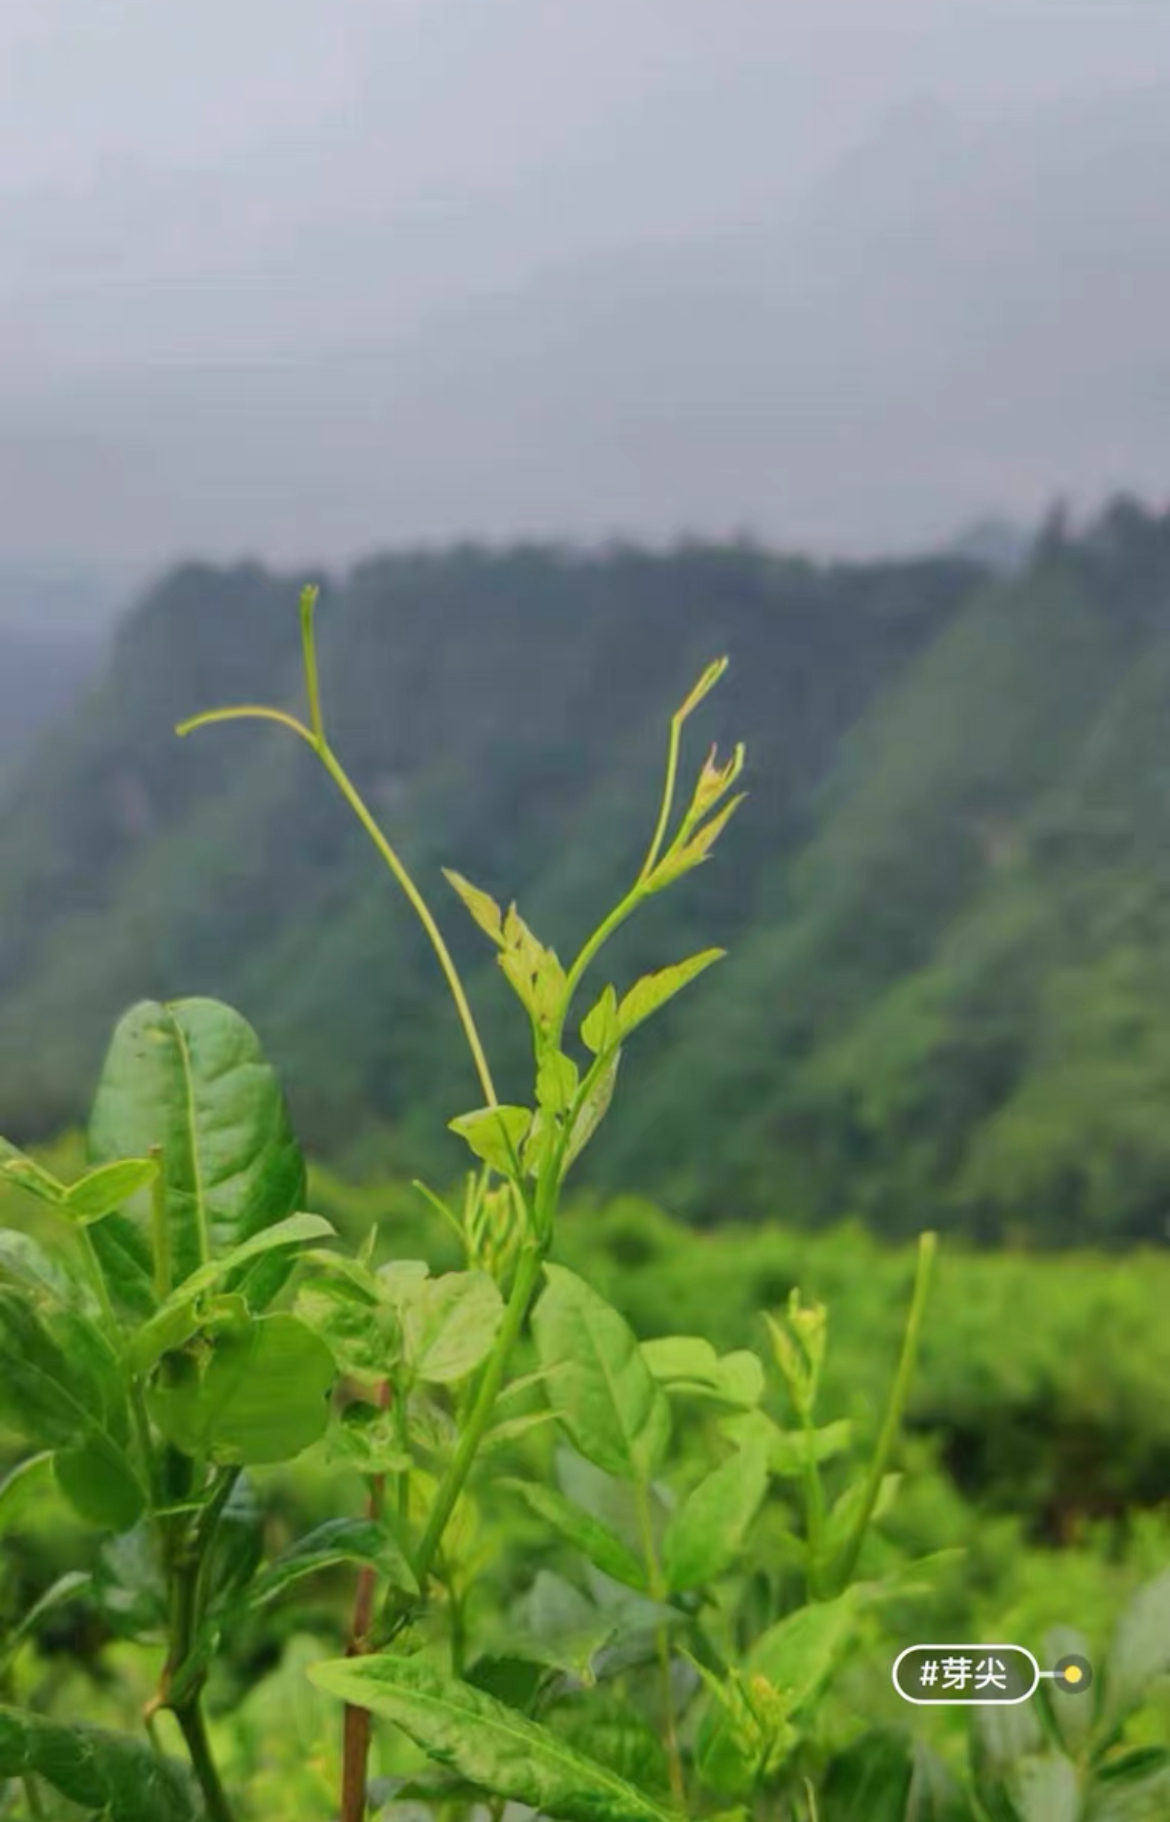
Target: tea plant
{"x": 195, "y": 1324}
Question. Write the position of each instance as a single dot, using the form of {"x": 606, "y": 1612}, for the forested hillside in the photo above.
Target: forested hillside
{"x": 947, "y": 899}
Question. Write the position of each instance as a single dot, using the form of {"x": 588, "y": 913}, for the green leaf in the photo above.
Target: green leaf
{"x": 534, "y": 973}
{"x": 104, "y": 1772}
{"x": 22, "y": 1490}
{"x": 593, "y": 1108}
{"x": 692, "y": 852}
{"x": 338, "y": 1540}
{"x": 1073, "y": 1715}
{"x": 1133, "y": 1787}
{"x": 25, "y": 1173}
{"x": 105, "y": 1189}
{"x": 495, "y": 1134}
{"x": 257, "y": 1394}
{"x": 845, "y": 1512}
{"x": 585, "y": 1532}
{"x": 788, "y": 1451}
{"x": 482, "y": 907}
{"x": 688, "y": 1364}
{"x": 616, "y": 1735}
{"x": 870, "y": 1781}
{"x": 653, "y": 990}
{"x": 59, "y": 1382}
{"x": 707, "y": 1532}
{"x": 61, "y": 1592}
{"x": 886, "y": 1777}
{"x": 1045, "y": 1789}
{"x": 610, "y": 1405}
{"x": 26, "y": 1263}
{"x": 600, "y": 1030}
{"x": 556, "y": 1082}
{"x": 100, "y": 1484}
{"x": 360, "y": 1326}
{"x": 492, "y": 1746}
{"x": 449, "y": 1325}
{"x": 189, "y": 1079}
{"x": 798, "y": 1656}
{"x": 555, "y": 1624}
{"x": 1140, "y": 1650}
{"x": 177, "y": 1319}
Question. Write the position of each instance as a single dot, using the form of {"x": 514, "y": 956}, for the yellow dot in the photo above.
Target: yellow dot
{"x": 1073, "y": 1673}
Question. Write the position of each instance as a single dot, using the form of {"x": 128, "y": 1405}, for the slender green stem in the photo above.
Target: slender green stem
{"x": 523, "y": 1291}
{"x": 193, "y": 1726}
{"x": 32, "y": 1795}
{"x": 596, "y": 942}
{"x": 246, "y": 711}
{"x": 309, "y": 654}
{"x": 422, "y": 910}
{"x": 369, "y": 823}
{"x": 316, "y": 738}
{"x": 672, "y": 753}
{"x": 896, "y": 1404}
{"x": 814, "y": 1500}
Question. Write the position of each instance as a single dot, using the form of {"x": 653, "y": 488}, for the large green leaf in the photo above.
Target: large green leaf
{"x": 598, "y": 1383}
{"x": 59, "y": 1382}
{"x": 104, "y": 1772}
{"x": 190, "y": 1079}
{"x": 585, "y": 1532}
{"x": 493, "y": 1747}
{"x": 257, "y": 1394}
{"x": 707, "y": 1532}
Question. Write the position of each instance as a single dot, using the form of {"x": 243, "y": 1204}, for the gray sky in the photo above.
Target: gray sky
{"x": 300, "y": 279}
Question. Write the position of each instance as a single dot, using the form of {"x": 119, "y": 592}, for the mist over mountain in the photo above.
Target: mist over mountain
{"x": 968, "y": 307}
{"x": 947, "y": 899}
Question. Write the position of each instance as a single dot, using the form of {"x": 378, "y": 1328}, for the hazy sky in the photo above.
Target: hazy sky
{"x": 309, "y": 277}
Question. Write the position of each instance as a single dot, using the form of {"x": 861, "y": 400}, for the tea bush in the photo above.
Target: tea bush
{"x": 700, "y": 1516}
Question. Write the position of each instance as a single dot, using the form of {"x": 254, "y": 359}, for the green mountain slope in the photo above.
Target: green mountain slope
{"x": 965, "y": 1014}
{"x": 507, "y": 713}
{"x": 947, "y": 899}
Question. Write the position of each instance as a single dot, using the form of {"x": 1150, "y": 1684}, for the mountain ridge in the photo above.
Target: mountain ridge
{"x": 946, "y": 900}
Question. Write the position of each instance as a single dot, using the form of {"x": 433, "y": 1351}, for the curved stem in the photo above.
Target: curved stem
{"x": 422, "y": 910}
{"x": 341, "y": 778}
